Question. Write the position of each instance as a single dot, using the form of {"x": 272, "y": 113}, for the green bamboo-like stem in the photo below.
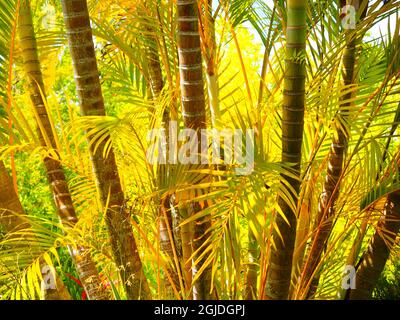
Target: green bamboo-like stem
{"x": 331, "y": 188}
{"x": 123, "y": 243}
{"x": 11, "y": 220}
{"x": 194, "y": 117}
{"x": 378, "y": 251}
{"x": 213, "y": 95}
{"x": 280, "y": 263}
{"x": 85, "y": 266}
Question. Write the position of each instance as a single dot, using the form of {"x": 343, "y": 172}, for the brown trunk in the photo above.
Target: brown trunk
{"x": 331, "y": 188}
{"x": 123, "y": 243}
{"x": 252, "y": 268}
{"x": 165, "y": 218}
{"x": 85, "y": 266}
{"x": 11, "y": 220}
{"x": 168, "y": 247}
{"x": 378, "y": 251}
{"x": 194, "y": 117}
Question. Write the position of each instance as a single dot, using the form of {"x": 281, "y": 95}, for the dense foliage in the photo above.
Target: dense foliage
{"x": 79, "y": 196}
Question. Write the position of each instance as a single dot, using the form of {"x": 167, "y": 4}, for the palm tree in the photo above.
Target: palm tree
{"x": 253, "y": 247}
{"x": 12, "y": 219}
{"x": 374, "y": 258}
{"x": 194, "y": 117}
{"x": 280, "y": 263}
{"x": 123, "y": 243}
{"x": 55, "y": 173}
{"x": 195, "y": 216}
{"x": 330, "y": 193}
{"x": 165, "y": 226}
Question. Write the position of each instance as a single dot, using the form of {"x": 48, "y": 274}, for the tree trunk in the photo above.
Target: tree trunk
{"x": 186, "y": 232}
{"x": 211, "y": 70}
{"x": 252, "y": 269}
{"x": 375, "y": 257}
{"x": 331, "y": 188}
{"x": 165, "y": 219}
{"x": 194, "y": 117}
{"x": 85, "y": 266}
{"x": 280, "y": 266}
{"x": 372, "y": 262}
{"x": 123, "y": 244}
{"x": 11, "y": 220}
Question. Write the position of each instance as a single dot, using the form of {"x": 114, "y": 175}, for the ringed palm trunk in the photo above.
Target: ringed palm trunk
{"x": 331, "y": 188}
{"x": 378, "y": 251}
{"x": 194, "y": 117}
{"x": 11, "y": 221}
{"x": 85, "y": 266}
{"x": 280, "y": 263}
{"x": 123, "y": 243}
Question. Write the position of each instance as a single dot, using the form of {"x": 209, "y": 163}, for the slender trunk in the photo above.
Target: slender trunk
{"x": 280, "y": 264}
{"x": 165, "y": 222}
{"x": 186, "y": 232}
{"x": 190, "y": 65}
{"x": 213, "y": 96}
{"x": 211, "y": 70}
{"x": 11, "y": 220}
{"x": 355, "y": 250}
{"x": 85, "y": 266}
{"x": 154, "y": 67}
{"x": 194, "y": 117}
{"x": 375, "y": 257}
{"x": 331, "y": 189}
{"x": 123, "y": 244}
{"x": 252, "y": 269}
{"x": 254, "y": 248}
{"x": 167, "y": 247}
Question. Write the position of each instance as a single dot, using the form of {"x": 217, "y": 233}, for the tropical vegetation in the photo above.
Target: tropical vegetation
{"x": 99, "y": 201}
